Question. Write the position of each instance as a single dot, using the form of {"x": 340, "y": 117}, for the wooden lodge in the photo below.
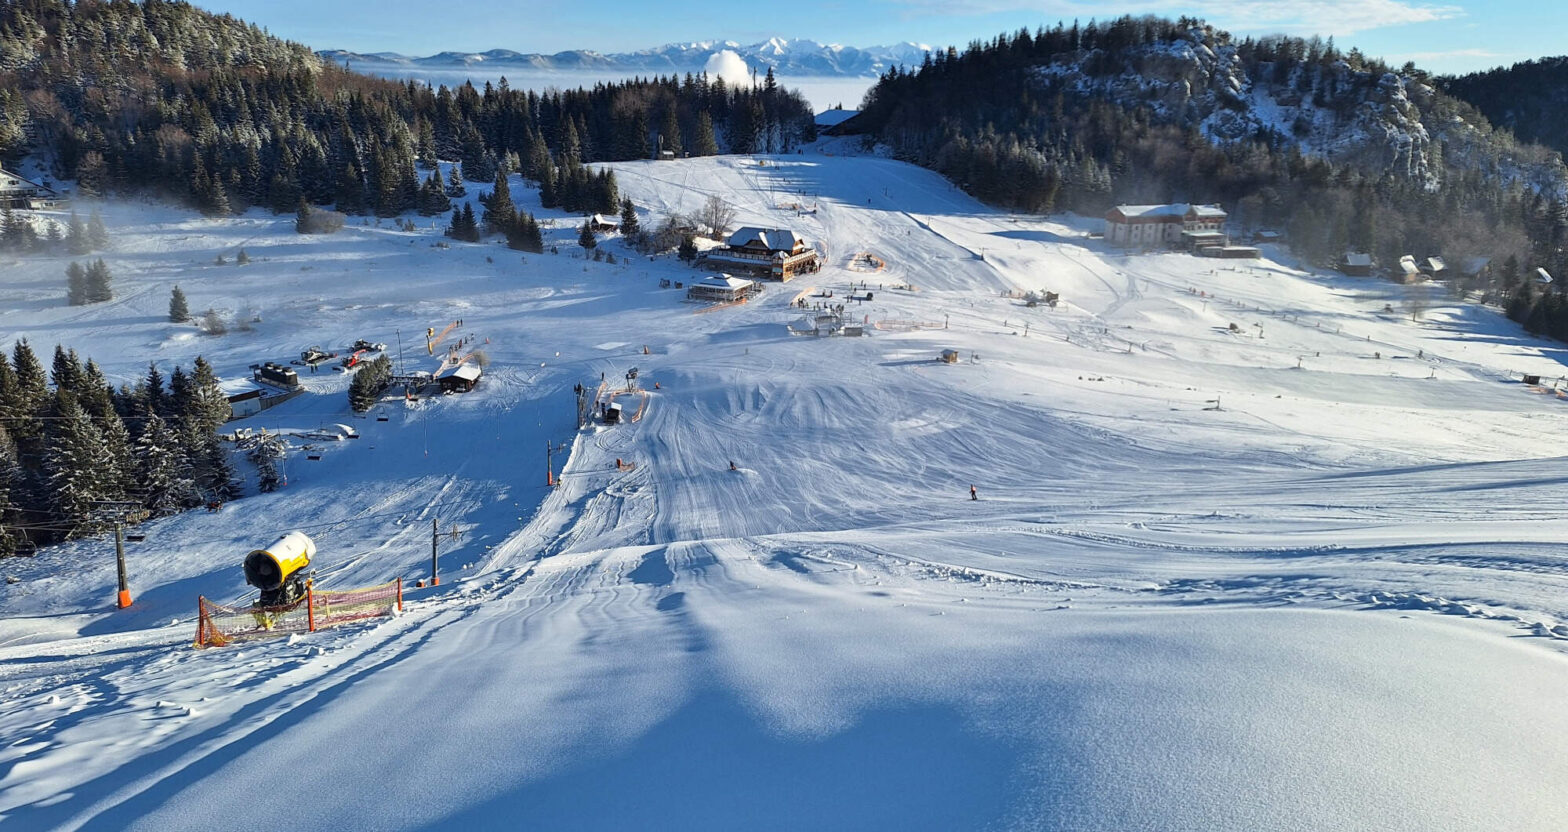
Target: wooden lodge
{"x": 775, "y": 253}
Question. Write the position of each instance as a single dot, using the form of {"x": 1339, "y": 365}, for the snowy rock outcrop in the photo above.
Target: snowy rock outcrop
{"x": 1342, "y": 109}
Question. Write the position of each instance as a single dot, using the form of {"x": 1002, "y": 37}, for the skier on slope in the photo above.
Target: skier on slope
{"x": 973, "y": 495}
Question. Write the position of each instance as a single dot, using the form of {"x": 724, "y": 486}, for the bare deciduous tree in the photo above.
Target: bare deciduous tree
{"x": 716, "y": 216}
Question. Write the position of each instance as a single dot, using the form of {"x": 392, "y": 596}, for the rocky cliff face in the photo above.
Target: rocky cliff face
{"x": 1380, "y": 121}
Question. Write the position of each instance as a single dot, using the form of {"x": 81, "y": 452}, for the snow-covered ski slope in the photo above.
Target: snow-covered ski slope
{"x": 1337, "y": 602}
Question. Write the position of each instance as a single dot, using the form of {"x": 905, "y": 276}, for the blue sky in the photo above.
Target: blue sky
{"x": 1456, "y": 36}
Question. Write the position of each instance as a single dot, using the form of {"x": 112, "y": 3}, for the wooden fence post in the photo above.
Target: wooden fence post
{"x": 400, "y": 593}
{"x": 310, "y": 606}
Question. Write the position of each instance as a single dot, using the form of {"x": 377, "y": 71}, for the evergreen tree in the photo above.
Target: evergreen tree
{"x": 208, "y": 405}
{"x": 549, "y": 193}
{"x": 210, "y": 462}
{"x": 350, "y": 192}
{"x": 670, "y": 132}
{"x": 242, "y": 259}
{"x": 154, "y": 397}
{"x": 629, "y": 225}
{"x": 585, "y": 238}
{"x": 97, "y": 235}
{"x": 161, "y": 469}
{"x": 524, "y": 234}
{"x": 688, "y": 248}
{"x": 75, "y": 284}
{"x": 76, "y": 236}
{"x": 704, "y": 143}
{"x": 455, "y": 187}
{"x": 67, "y": 370}
{"x": 74, "y": 466}
{"x": 98, "y": 282}
{"x": 32, "y": 388}
{"x": 463, "y": 226}
{"x": 10, "y": 494}
{"x": 500, "y": 213}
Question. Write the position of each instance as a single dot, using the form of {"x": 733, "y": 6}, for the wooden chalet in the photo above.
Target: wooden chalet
{"x": 460, "y": 380}
{"x": 777, "y": 253}
{"x": 1356, "y": 264}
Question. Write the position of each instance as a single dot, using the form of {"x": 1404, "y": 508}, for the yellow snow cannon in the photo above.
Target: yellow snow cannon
{"x": 279, "y": 570}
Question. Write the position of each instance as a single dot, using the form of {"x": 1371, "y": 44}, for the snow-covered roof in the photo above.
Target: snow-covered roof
{"x": 600, "y": 219}
{"x": 774, "y": 239}
{"x": 467, "y": 372}
{"x": 1435, "y": 264}
{"x": 1171, "y": 210}
{"x": 831, "y": 118}
{"x": 725, "y": 281}
{"x": 237, "y": 386}
{"x": 1474, "y": 265}
{"x": 1175, "y": 209}
{"x": 1543, "y": 276}
{"x": 1357, "y": 258}
{"x": 1408, "y": 264}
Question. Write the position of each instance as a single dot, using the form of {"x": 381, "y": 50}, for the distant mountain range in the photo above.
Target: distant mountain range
{"x": 797, "y": 57}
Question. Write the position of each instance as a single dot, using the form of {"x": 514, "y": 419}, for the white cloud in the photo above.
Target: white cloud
{"x": 1301, "y": 17}
{"x": 729, "y": 66}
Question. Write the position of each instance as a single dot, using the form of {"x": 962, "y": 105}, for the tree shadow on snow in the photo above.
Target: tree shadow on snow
{"x": 711, "y": 766}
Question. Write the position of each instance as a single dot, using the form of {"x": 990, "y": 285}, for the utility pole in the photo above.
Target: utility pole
{"x": 399, "y": 352}
{"x": 549, "y": 469}
{"x": 119, "y": 562}
{"x": 435, "y": 577}
{"x": 119, "y": 511}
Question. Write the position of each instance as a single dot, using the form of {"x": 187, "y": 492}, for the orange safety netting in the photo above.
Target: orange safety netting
{"x": 218, "y": 624}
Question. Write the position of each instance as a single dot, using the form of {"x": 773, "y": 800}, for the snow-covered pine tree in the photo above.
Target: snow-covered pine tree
{"x": 97, "y": 235}
{"x": 162, "y": 470}
{"x": 66, "y": 372}
{"x": 75, "y": 469}
{"x": 99, "y": 288}
{"x": 209, "y": 406}
{"x": 152, "y": 391}
{"x": 10, "y": 482}
{"x": 179, "y": 309}
{"x": 75, "y": 284}
{"x": 32, "y": 396}
{"x": 585, "y": 238}
{"x": 76, "y": 236}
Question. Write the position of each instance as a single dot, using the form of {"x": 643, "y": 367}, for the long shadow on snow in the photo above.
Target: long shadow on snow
{"x": 159, "y": 793}
{"x": 711, "y": 766}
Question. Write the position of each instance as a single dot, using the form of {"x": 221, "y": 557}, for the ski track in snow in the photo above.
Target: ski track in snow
{"x": 1338, "y": 601}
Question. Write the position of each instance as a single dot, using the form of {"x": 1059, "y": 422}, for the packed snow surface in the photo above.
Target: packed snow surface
{"x": 1303, "y": 572}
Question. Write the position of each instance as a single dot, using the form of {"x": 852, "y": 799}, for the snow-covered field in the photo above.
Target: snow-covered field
{"x": 1337, "y": 601}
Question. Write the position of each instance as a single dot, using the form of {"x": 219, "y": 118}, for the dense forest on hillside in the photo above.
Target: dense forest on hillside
{"x": 160, "y": 96}
{"x": 153, "y": 446}
{"x": 1151, "y": 110}
{"x": 1530, "y": 98}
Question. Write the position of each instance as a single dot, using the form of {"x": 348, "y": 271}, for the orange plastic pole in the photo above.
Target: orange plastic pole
{"x": 400, "y": 593}
{"x": 310, "y": 606}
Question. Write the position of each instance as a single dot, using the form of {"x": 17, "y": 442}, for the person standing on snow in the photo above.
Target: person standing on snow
{"x": 973, "y": 495}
